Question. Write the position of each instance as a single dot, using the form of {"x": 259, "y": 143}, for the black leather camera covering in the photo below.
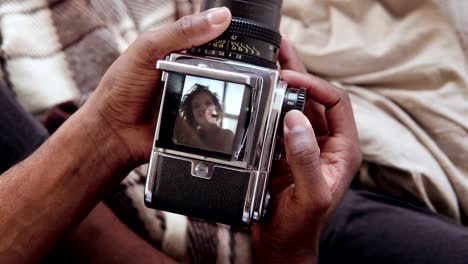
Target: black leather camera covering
{"x": 219, "y": 199}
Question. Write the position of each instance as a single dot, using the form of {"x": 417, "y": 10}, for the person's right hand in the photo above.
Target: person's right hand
{"x": 321, "y": 169}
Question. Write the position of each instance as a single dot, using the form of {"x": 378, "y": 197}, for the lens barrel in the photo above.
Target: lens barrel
{"x": 253, "y": 36}
{"x": 264, "y": 12}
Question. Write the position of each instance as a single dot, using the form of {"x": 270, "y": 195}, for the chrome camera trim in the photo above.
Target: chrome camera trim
{"x": 261, "y": 157}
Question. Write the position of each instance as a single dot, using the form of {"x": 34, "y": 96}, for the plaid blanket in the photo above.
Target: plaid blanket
{"x": 64, "y": 47}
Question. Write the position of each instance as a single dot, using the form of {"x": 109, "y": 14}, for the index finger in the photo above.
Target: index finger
{"x": 288, "y": 58}
{"x": 338, "y": 109}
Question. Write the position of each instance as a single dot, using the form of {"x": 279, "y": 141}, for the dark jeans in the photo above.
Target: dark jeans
{"x": 20, "y": 133}
{"x": 367, "y": 228}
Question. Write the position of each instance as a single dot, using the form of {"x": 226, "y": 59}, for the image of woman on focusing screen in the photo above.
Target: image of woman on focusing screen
{"x": 199, "y": 122}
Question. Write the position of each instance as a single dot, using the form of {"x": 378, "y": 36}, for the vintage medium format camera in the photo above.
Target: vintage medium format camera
{"x": 219, "y": 121}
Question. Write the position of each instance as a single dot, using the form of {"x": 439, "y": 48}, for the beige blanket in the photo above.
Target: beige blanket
{"x": 405, "y": 70}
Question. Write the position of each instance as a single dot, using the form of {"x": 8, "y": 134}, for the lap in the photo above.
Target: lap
{"x": 375, "y": 228}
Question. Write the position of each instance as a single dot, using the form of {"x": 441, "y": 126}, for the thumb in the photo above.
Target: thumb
{"x": 139, "y": 60}
{"x": 303, "y": 156}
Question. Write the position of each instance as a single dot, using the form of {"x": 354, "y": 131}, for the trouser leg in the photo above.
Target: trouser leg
{"x": 20, "y": 132}
{"x": 374, "y": 228}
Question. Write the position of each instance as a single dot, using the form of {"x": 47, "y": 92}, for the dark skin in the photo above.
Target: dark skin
{"x": 322, "y": 156}
{"x": 112, "y": 134}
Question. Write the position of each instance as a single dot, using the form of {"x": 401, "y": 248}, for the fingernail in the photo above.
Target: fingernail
{"x": 217, "y": 15}
{"x": 296, "y": 121}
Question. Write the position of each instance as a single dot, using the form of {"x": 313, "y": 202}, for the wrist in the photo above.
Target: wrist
{"x": 100, "y": 140}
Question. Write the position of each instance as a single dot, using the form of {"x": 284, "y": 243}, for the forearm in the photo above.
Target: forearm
{"x": 49, "y": 193}
{"x": 103, "y": 238}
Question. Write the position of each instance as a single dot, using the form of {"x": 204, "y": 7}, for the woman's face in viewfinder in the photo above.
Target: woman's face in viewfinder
{"x": 204, "y": 110}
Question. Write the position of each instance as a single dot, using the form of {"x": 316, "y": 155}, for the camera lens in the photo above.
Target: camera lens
{"x": 253, "y": 36}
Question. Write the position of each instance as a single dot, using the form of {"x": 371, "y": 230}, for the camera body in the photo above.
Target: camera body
{"x": 217, "y": 131}
{"x": 208, "y": 183}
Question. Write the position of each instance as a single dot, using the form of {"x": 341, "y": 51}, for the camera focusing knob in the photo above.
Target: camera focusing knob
{"x": 301, "y": 99}
{"x": 294, "y": 99}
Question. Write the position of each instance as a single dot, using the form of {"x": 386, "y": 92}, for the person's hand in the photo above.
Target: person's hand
{"x": 321, "y": 169}
{"x": 126, "y": 99}
{"x": 289, "y": 61}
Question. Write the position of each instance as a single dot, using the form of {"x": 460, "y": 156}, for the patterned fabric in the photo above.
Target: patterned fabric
{"x": 64, "y": 47}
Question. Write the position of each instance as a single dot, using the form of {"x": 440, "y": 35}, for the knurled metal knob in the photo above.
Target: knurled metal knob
{"x": 294, "y": 99}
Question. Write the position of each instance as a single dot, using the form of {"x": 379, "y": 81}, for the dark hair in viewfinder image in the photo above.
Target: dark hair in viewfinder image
{"x": 186, "y": 110}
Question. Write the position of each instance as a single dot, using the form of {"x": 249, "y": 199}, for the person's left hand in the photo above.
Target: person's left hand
{"x": 126, "y": 98}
